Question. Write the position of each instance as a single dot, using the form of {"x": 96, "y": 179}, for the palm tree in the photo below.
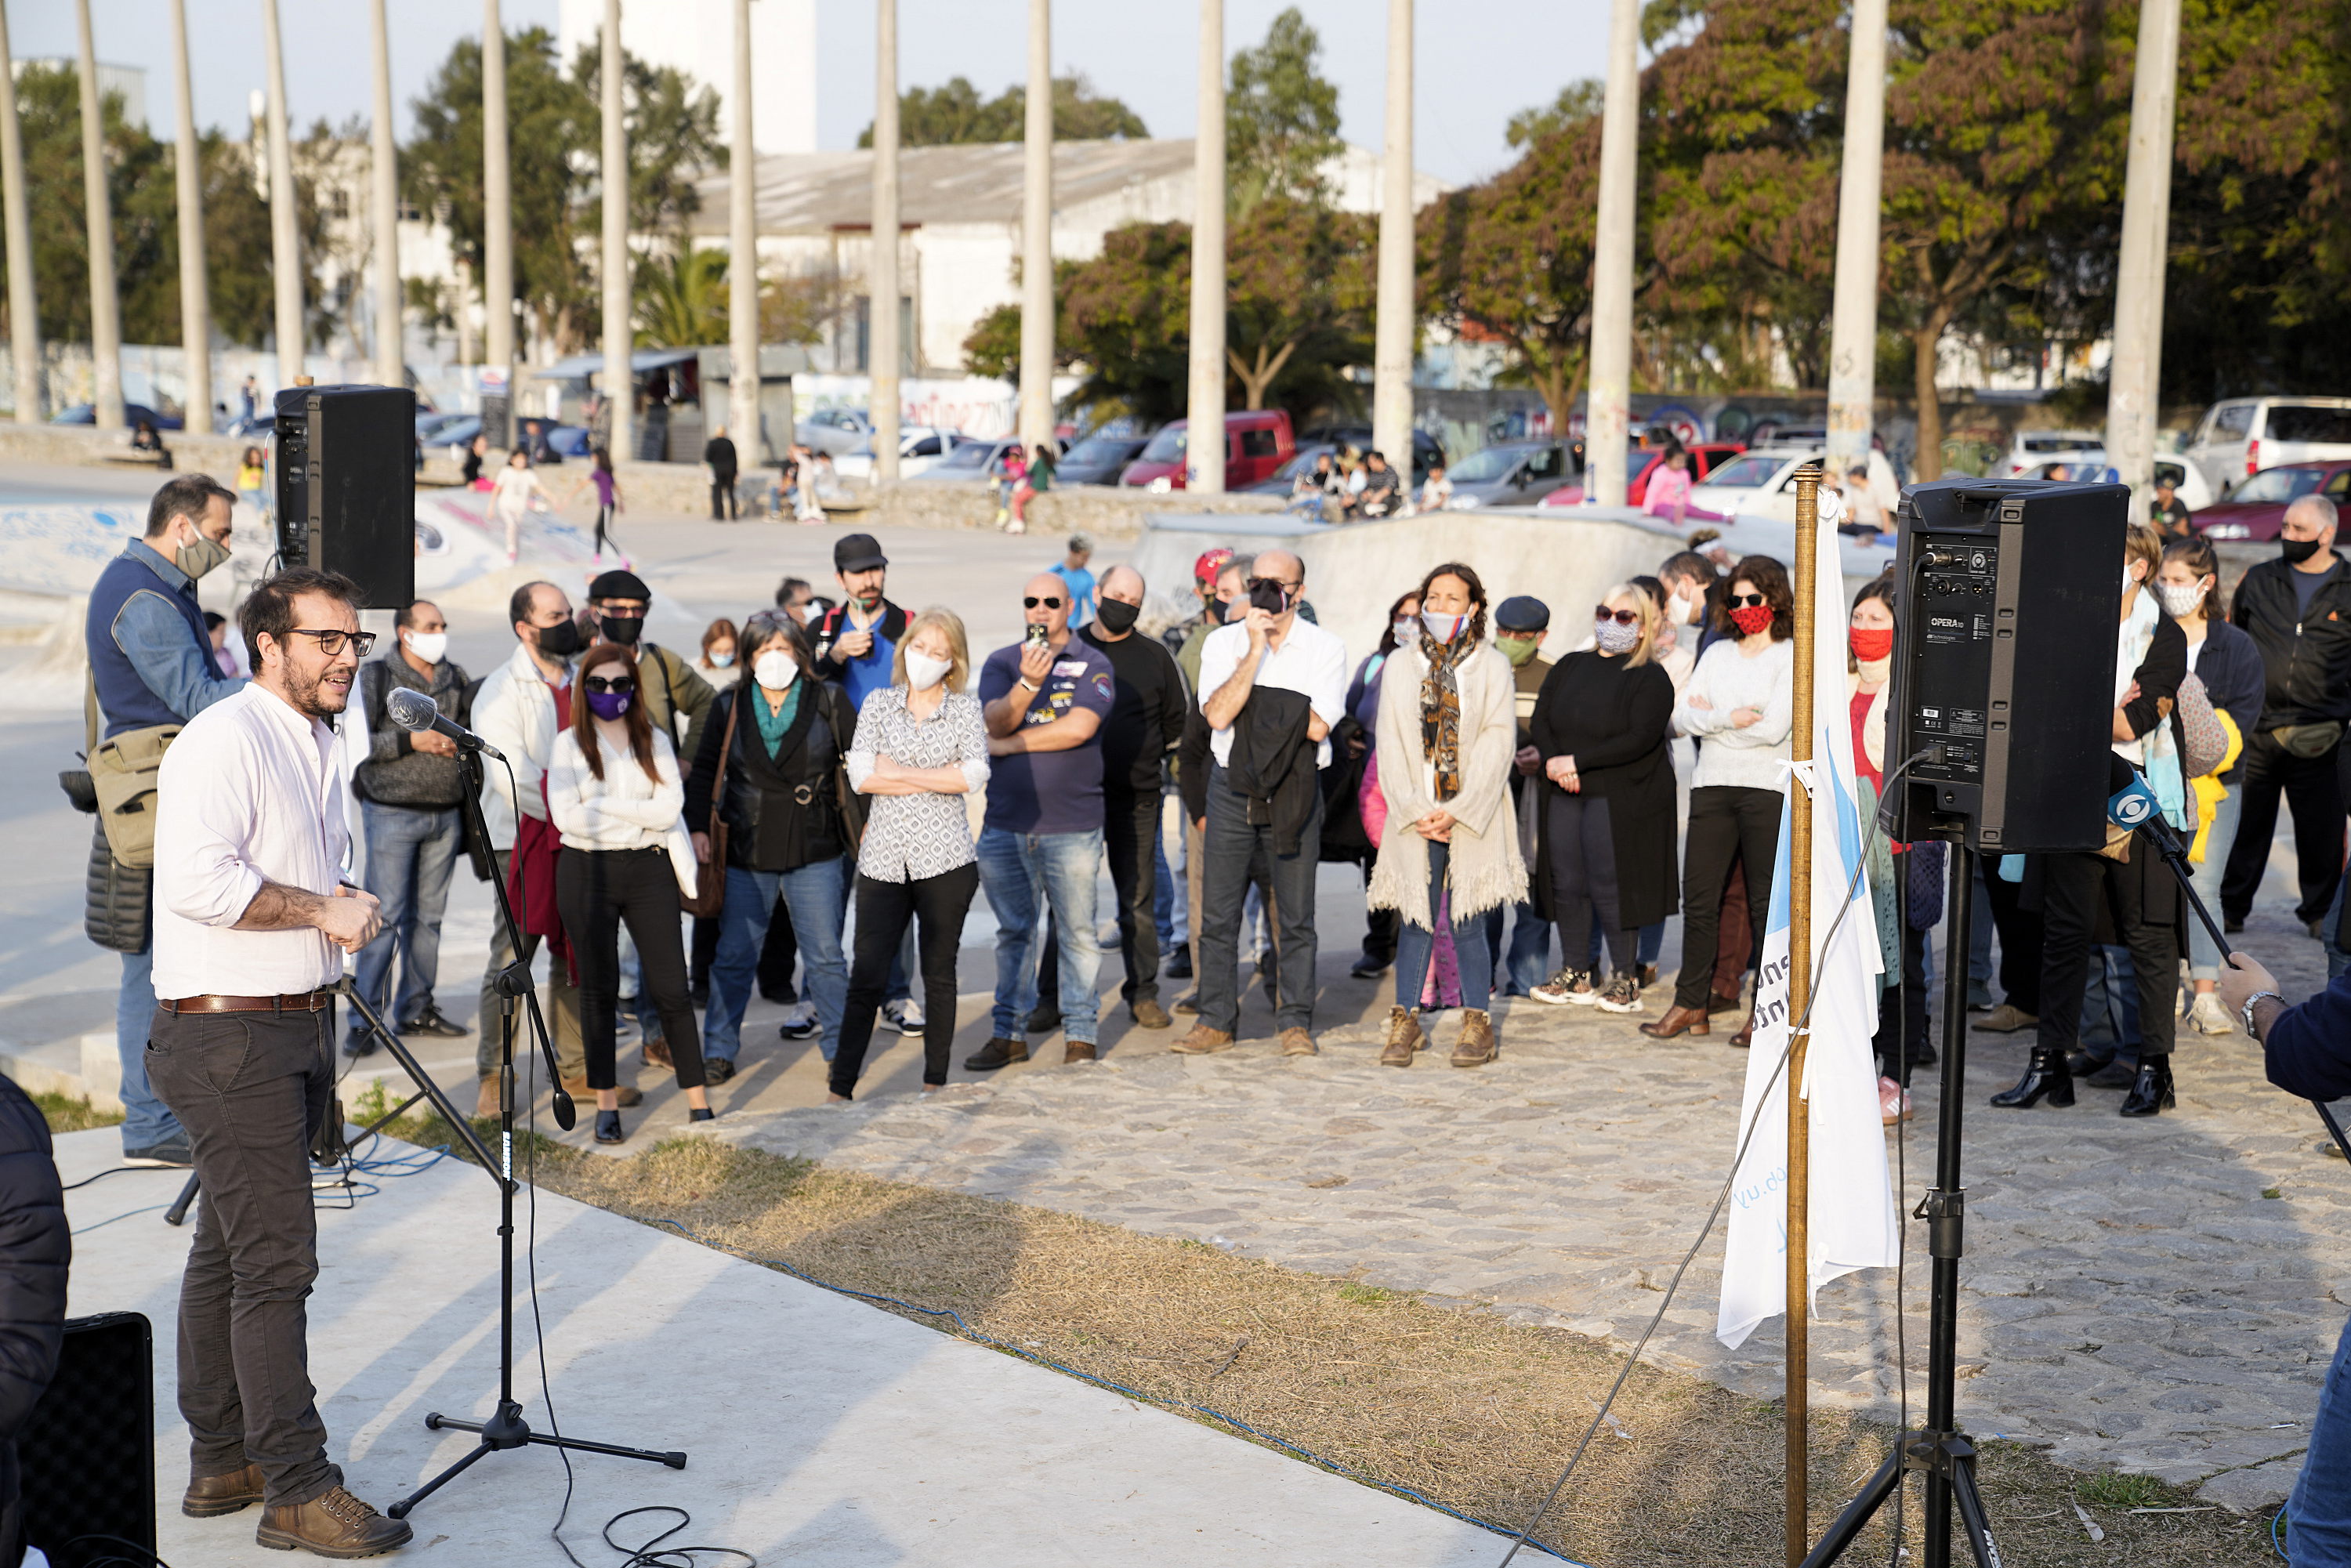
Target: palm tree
{"x": 681, "y": 299}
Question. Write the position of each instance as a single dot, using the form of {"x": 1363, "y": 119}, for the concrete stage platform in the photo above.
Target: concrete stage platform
{"x": 821, "y": 1431}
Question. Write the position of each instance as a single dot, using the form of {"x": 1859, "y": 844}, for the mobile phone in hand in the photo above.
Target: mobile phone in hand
{"x": 1036, "y": 636}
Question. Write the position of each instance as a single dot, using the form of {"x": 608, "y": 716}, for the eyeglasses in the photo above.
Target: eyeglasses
{"x": 617, "y": 684}
{"x": 1746, "y": 600}
{"x": 1049, "y": 603}
{"x": 331, "y": 642}
{"x": 1622, "y": 617}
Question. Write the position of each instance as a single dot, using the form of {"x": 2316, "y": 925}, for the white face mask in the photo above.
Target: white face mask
{"x": 1408, "y": 631}
{"x": 430, "y": 646}
{"x": 1442, "y": 627}
{"x": 775, "y": 669}
{"x": 1681, "y": 610}
{"x": 924, "y": 670}
{"x": 2180, "y": 600}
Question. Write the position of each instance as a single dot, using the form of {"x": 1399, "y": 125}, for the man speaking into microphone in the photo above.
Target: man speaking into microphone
{"x": 251, "y": 918}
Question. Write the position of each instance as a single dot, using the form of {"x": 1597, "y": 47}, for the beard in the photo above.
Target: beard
{"x": 313, "y": 694}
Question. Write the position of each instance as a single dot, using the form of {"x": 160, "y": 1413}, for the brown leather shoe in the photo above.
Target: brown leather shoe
{"x": 332, "y": 1524}
{"x": 1477, "y": 1045}
{"x": 1151, "y": 1015}
{"x": 1679, "y": 1019}
{"x": 656, "y": 1054}
{"x": 1203, "y": 1042}
{"x": 210, "y": 1497}
{"x": 485, "y": 1104}
{"x": 1077, "y": 1050}
{"x": 1404, "y": 1038}
{"x": 630, "y": 1094}
{"x": 1297, "y": 1042}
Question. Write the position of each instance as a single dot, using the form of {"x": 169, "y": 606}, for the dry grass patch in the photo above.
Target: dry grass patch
{"x": 66, "y": 1115}
{"x": 1456, "y": 1404}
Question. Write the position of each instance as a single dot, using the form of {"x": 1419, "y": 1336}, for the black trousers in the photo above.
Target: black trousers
{"x": 1130, "y": 843}
{"x": 1902, "y": 1012}
{"x": 2314, "y": 792}
{"x": 702, "y": 951}
{"x": 2021, "y": 940}
{"x": 1727, "y": 821}
{"x": 2142, "y": 903}
{"x": 604, "y": 530}
{"x": 777, "y": 956}
{"x": 884, "y": 908}
{"x": 595, "y": 890}
{"x": 250, "y": 1089}
{"x": 722, "y": 498}
{"x": 1584, "y": 878}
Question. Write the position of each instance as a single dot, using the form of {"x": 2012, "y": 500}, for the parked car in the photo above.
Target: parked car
{"x": 970, "y": 460}
{"x": 2187, "y": 480}
{"x": 1099, "y": 459}
{"x": 1256, "y": 442}
{"x": 2031, "y": 448}
{"x": 1761, "y": 483}
{"x": 1278, "y": 483}
{"x": 1508, "y": 473}
{"x": 836, "y": 430}
{"x": 1705, "y": 458}
{"x": 133, "y": 412}
{"x": 2255, "y": 508}
{"x": 2247, "y": 435}
{"x": 1426, "y": 450}
{"x": 920, "y": 449}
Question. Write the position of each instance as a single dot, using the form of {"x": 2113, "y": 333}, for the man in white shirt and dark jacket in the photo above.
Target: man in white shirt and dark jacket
{"x": 251, "y": 918}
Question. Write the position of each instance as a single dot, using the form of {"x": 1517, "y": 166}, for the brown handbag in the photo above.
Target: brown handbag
{"x": 710, "y": 877}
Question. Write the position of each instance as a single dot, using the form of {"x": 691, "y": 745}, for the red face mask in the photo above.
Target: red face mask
{"x": 1751, "y": 618}
{"x": 1871, "y": 643}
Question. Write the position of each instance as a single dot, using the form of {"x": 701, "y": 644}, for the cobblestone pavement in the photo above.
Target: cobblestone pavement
{"x": 2161, "y": 1296}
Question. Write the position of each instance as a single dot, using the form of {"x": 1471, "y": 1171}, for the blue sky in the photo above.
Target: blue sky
{"x": 1477, "y": 61}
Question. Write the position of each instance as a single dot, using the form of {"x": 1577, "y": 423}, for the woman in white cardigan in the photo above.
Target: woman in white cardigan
{"x": 1448, "y": 736}
{"x": 614, "y": 794}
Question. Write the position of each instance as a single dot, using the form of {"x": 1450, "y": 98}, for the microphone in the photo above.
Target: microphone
{"x": 2133, "y": 808}
{"x": 416, "y": 713}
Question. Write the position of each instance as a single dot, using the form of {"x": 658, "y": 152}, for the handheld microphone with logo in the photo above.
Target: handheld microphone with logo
{"x": 415, "y": 712}
{"x": 2132, "y": 806}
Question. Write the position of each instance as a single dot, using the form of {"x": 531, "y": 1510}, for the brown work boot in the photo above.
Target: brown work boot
{"x": 1297, "y": 1042}
{"x": 1077, "y": 1050}
{"x": 1001, "y": 1051}
{"x": 630, "y": 1094}
{"x": 485, "y": 1104}
{"x": 1203, "y": 1042}
{"x": 1150, "y": 1015}
{"x": 209, "y": 1496}
{"x": 1404, "y": 1038}
{"x": 332, "y": 1524}
{"x": 656, "y": 1054}
{"x": 1477, "y": 1045}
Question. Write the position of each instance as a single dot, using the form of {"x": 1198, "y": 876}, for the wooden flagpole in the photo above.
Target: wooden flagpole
{"x": 1799, "y": 995}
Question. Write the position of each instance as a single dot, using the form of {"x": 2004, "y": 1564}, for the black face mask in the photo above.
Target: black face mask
{"x": 2296, "y": 551}
{"x": 1117, "y": 619}
{"x": 621, "y": 629}
{"x": 1215, "y": 611}
{"x": 559, "y": 641}
{"x": 1267, "y": 597}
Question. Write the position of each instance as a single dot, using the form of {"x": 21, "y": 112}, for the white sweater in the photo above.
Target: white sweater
{"x": 625, "y": 810}
{"x": 1729, "y": 680}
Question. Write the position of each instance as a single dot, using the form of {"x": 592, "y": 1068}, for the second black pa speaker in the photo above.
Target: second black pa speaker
{"x": 347, "y": 486}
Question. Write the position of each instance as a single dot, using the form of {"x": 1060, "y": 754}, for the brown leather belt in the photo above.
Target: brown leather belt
{"x": 299, "y": 1002}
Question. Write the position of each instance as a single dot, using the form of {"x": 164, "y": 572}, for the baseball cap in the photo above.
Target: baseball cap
{"x": 1521, "y": 613}
{"x": 857, "y": 552}
{"x": 1211, "y": 562}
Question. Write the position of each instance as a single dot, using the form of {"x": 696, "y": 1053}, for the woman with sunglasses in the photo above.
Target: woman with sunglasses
{"x": 771, "y": 762}
{"x": 1739, "y": 703}
{"x": 614, "y": 795}
{"x": 1449, "y": 738}
{"x": 1605, "y": 832}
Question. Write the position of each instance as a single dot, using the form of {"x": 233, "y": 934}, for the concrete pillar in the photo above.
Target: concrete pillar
{"x": 105, "y": 309}
{"x": 1204, "y": 464}
{"x": 16, "y": 233}
{"x": 285, "y": 236}
{"x": 1611, "y": 405}
{"x": 383, "y": 216}
{"x": 1392, "y": 356}
{"x": 1853, "y": 329}
{"x": 618, "y": 382}
{"x": 882, "y": 348}
{"x": 743, "y": 260}
{"x": 497, "y": 208}
{"x": 1037, "y": 235}
{"x": 2132, "y": 388}
{"x": 195, "y": 288}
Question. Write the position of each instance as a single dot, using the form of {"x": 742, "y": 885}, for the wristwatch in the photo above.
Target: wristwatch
{"x": 2247, "y": 1012}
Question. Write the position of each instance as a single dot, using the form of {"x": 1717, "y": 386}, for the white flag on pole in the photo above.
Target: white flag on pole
{"x": 1851, "y": 1208}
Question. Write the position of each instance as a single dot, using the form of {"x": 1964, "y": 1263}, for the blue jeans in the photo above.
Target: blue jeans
{"x": 146, "y": 1121}
{"x": 818, "y": 897}
{"x": 2318, "y": 1514}
{"x": 1415, "y": 945}
{"x": 410, "y": 853}
{"x": 1523, "y": 963}
{"x": 2203, "y": 963}
{"x": 1017, "y": 869}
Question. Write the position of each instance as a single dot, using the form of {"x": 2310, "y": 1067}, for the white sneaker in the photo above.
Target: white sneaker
{"x": 1580, "y": 987}
{"x": 908, "y": 1016}
{"x": 2206, "y": 1015}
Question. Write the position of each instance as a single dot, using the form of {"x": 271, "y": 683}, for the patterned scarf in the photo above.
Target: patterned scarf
{"x": 1440, "y": 709}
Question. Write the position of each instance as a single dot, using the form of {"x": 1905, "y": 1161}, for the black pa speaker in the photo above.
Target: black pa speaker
{"x": 347, "y": 486}
{"x": 2011, "y": 592}
{"x": 88, "y": 1455}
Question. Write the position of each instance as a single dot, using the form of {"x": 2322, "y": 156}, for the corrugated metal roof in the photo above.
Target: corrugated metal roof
{"x": 815, "y": 193}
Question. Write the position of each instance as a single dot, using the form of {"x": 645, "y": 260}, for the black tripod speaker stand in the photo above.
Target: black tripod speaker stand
{"x": 1939, "y": 1450}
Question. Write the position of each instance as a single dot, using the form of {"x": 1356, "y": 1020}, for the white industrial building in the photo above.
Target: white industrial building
{"x": 697, "y": 36}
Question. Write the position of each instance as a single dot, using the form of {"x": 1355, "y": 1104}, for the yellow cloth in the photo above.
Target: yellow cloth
{"x": 2209, "y": 790}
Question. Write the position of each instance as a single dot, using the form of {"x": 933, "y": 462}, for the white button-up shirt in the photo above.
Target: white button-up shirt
{"x": 1311, "y": 661}
{"x": 249, "y": 792}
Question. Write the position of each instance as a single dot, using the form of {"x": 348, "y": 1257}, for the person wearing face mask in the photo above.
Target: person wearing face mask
{"x": 408, "y": 789}
{"x": 771, "y": 772}
{"x": 520, "y": 707}
{"x": 676, "y": 699}
{"x": 716, "y": 666}
{"x": 1360, "y": 739}
{"x": 151, "y": 668}
{"x": 1209, "y": 577}
{"x": 614, "y": 794}
{"x": 2297, "y": 610}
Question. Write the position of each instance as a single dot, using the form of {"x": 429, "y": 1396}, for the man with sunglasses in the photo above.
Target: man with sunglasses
{"x": 1044, "y": 700}
{"x": 676, "y": 697}
{"x": 1273, "y": 649}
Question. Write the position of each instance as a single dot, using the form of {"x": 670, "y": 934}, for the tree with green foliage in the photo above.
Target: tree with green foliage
{"x": 1577, "y": 102}
{"x": 682, "y": 299}
{"x": 1299, "y": 304}
{"x": 956, "y": 114}
{"x": 1281, "y": 118}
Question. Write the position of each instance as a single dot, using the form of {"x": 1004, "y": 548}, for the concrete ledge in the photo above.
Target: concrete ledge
{"x": 1103, "y": 510}
{"x": 87, "y": 446}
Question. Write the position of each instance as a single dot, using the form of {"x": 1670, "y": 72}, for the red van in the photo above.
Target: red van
{"x": 1256, "y": 442}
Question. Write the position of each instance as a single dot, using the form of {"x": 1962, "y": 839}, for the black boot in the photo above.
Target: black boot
{"x": 608, "y": 1128}
{"x": 2152, "y": 1093}
{"x": 2044, "y": 1076}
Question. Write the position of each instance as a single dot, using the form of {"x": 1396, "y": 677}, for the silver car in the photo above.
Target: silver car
{"x": 1509, "y": 474}
{"x": 834, "y": 429}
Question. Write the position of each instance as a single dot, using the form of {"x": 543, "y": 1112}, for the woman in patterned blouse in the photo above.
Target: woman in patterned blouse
{"x": 920, "y": 748}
